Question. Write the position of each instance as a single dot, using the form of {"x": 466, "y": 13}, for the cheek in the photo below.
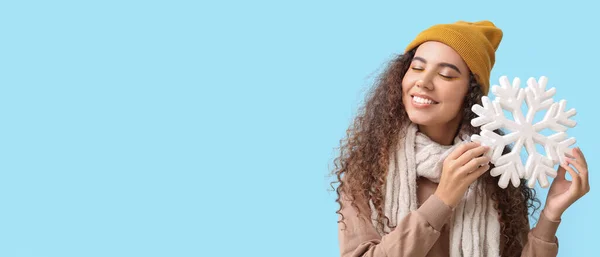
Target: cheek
{"x": 406, "y": 82}
{"x": 454, "y": 100}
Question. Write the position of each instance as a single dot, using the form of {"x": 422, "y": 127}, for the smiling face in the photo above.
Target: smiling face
{"x": 435, "y": 85}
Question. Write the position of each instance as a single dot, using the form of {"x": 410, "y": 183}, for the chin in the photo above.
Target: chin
{"x": 421, "y": 120}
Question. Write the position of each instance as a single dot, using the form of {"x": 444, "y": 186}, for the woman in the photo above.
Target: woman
{"x": 410, "y": 183}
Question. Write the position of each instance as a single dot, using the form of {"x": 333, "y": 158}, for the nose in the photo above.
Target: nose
{"x": 424, "y": 83}
{"x": 425, "y": 79}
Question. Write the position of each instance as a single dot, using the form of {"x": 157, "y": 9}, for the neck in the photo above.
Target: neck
{"x": 441, "y": 134}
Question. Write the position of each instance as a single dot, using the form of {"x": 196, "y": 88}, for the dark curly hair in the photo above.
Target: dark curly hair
{"x": 360, "y": 169}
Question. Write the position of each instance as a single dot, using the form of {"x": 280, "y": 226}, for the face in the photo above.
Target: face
{"x": 435, "y": 85}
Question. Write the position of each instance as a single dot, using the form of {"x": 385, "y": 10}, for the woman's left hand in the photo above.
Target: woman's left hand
{"x": 563, "y": 193}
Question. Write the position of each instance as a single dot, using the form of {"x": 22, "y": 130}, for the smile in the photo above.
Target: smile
{"x": 419, "y": 101}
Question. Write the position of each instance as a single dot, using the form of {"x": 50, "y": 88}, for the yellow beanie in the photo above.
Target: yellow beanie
{"x": 475, "y": 42}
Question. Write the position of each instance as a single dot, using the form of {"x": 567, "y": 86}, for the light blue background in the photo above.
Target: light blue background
{"x": 182, "y": 128}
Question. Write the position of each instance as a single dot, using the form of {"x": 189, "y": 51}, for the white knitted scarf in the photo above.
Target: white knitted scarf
{"x": 474, "y": 226}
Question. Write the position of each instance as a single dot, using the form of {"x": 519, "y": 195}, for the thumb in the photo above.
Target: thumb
{"x": 561, "y": 173}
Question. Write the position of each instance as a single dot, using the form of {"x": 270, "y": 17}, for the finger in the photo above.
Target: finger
{"x": 580, "y": 156}
{"x": 471, "y": 154}
{"x": 576, "y": 180}
{"x": 477, "y": 173}
{"x": 577, "y": 164}
{"x": 583, "y": 173}
{"x": 475, "y": 163}
{"x": 462, "y": 149}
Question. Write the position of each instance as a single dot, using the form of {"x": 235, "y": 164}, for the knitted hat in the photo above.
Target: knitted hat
{"x": 475, "y": 42}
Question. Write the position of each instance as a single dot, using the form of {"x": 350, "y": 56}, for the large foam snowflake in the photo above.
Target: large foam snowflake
{"x": 523, "y": 131}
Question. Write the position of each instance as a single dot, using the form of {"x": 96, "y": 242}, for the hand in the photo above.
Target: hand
{"x": 461, "y": 168}
{"x": 563, "y": 193}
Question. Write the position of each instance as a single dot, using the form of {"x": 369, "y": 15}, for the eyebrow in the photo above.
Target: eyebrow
{"x": 443, "y": 64}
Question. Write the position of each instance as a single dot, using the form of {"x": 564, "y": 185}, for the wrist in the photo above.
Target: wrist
{"x": 446, "y": 198}
{"x": 552, "y": 215}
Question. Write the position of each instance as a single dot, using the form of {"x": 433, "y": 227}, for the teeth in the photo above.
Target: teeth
{"x": 422, "y": 100}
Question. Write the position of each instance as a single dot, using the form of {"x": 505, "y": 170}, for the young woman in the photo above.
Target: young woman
{"x": 410, "y": 182}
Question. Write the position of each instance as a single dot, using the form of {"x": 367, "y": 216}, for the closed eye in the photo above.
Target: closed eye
{"x": 448, "y": 77}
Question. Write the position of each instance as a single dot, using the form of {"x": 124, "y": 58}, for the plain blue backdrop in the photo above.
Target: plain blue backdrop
{"x": 185, "y": 128}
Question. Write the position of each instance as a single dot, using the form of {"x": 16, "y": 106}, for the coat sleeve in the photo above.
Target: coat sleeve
{"x": 414, "y": 235}
{"x": 542, "y": 240}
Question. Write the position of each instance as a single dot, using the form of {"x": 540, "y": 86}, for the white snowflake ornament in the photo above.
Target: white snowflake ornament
{"x": 523, "y": 131}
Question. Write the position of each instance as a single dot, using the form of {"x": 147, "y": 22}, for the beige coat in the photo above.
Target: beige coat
{"x": 424, "y": 232}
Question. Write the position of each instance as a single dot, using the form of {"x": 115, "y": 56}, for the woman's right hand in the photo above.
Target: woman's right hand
{"x": 461, "y": 168}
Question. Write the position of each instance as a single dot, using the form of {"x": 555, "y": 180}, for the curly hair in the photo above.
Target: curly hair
{"x": 361, "y": 167}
